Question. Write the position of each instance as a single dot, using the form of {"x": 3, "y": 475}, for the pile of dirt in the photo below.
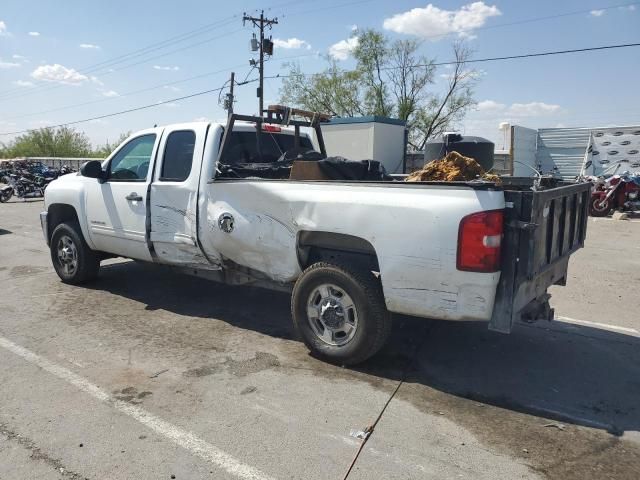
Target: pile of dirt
{"x": 452, "y": 168}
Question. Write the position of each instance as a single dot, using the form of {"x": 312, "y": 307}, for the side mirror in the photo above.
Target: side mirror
{"x": 91, "y": 169}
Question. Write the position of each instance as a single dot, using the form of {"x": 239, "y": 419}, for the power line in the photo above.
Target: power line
{"x": 142, "y": 51}
{"x": 488, "y": 59}
{"x": 124, "y": 67}
{"x": 158, "y": 45}
{"x": 5, "y": 95}
{"x": 121, "y": 112}
{"x": 148, "y": 89}
{"x": 479, "y": 60}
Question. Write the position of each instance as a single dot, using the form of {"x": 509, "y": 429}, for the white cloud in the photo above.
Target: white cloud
{"x": 110, "y": 93}
{"x": 97, "y": 81}
{"x": 167, "y": 68}
{"x": 89, "y": 46}
{"x": 597, "y": 13}
{"x": 21, "y": 58}
{"x": 23, "y": 83}
{"x": 531, "y": 109}
{"x": 201, "y": 119}
{"x": 490, "y": 106}
{"x": 7, "y": 65}
{"x": 59, "y": 74}
{"x": 291, "y": 43}
{"x": 34, "y": 34}
{"x": 3, "y": 29}
{"x": 432, "y": 21}
{"x": 342, "y": 49}
{"x": 353, "y": 27}
{"x": 172, "y": 88}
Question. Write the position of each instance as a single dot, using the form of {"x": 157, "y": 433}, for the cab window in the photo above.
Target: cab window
{"x": 131, "y": 163}
{"x": 178, "y": 156}
{"x": 242, "y": 147}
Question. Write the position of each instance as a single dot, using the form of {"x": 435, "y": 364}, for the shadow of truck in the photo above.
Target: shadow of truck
{"x": 573, "y": 373}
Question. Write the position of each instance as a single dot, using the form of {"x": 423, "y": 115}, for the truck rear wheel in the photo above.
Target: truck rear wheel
{"x": 73, "y": 260}
{"x": 339, "y": 312}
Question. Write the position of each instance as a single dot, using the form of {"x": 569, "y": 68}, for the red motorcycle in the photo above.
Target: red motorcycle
{"x": 619, "y": 192}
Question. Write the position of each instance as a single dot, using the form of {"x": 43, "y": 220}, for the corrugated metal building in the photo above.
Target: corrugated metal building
{"x": 565, "y": 151}
{"x": 562, "y": 149}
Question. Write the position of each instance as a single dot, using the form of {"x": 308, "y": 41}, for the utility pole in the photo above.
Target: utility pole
{"x": 228, "y": 101}
{"x": 265, "y": 46}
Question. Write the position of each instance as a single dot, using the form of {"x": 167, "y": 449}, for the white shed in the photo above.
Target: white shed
{"x": 367, "y": 138}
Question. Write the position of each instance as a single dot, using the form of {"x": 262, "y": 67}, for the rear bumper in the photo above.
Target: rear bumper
{"x": 45, "y": 226}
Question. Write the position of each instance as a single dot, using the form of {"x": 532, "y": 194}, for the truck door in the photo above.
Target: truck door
{"x": 116, "y": 208}
{"x": 174, "y": 194}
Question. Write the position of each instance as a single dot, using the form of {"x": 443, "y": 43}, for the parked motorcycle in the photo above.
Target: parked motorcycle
{"x": 618, "y": 192}
{"x": 21, "y": 187}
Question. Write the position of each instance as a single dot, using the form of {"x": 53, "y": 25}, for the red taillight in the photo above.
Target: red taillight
{"x": 479, "y": 241}
{"x": 271, "y": 128}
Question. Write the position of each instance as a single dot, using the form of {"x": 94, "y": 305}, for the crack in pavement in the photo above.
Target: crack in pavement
{"x": 37, "y": 454}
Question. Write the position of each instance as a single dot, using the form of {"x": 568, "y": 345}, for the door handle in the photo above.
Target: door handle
{"x": 134, "y": 197}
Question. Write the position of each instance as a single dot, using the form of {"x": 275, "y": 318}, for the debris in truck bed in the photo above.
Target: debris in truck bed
{"x": 452, "y": 168}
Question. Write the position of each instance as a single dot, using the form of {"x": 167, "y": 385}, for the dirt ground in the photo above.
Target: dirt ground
{"x": 149, "y": 374}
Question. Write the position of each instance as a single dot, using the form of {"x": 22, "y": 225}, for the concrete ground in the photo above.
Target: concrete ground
{"x": 148, "y": 374}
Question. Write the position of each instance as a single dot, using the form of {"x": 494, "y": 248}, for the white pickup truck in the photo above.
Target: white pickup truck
{"x": 351, "y": 252}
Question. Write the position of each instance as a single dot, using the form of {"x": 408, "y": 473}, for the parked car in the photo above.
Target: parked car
{"x": 350, "y": 252}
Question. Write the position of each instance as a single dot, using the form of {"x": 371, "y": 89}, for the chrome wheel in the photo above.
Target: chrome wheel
{"x": 332, "y": 314}
{"x": 67, "y": 255}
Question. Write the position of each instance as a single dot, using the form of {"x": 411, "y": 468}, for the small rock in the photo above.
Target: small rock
{"x": 173, "y": 476}
{"x": 524, "y": 450}
{"x": 80, "y": 445}
{"x": 142, "y": 437}
{"x": 249, "y": 389}
{"x": 440, "y": 413}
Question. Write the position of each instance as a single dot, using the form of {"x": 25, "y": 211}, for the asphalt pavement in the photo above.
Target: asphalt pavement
{"x": 146, "y": 374}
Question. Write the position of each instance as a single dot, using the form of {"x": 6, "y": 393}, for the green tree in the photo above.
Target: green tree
{"x": 391, "y": 78}
{"x": 49, "y": 142}
{"x": 105, "y": 150}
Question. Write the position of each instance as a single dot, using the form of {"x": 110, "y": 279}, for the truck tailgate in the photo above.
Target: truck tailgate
{"x": 542, "y": 229}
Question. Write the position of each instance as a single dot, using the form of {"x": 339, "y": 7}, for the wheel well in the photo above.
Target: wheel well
{"x": 337, "y": 247}
{"x": 59, "y": 213}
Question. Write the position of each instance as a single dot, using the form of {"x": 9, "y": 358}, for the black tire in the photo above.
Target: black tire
{"x": 6, "y": 195}
{"x": 598, "y": 208}
{"x": 365, "y": 291}
{"x": 87, "y": 262}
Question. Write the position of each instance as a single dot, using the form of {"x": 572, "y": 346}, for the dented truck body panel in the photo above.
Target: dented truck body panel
{"x": 412, "y": 229}
{"x": 250, "y": 230}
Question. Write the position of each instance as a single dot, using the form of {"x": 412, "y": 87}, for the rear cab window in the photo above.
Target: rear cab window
{"x": 178, "y": 156}
{"x": 242, "y": 147}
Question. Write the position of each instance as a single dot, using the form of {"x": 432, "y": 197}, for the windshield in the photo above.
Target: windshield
{"x": 242, "y": 147}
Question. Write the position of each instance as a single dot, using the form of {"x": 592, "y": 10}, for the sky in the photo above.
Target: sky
{"x": 67, "y": 61}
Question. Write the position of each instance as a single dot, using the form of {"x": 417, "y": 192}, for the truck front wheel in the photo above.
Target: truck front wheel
{"x": 73, "y": 260}
{"x": 339, "y": 312}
